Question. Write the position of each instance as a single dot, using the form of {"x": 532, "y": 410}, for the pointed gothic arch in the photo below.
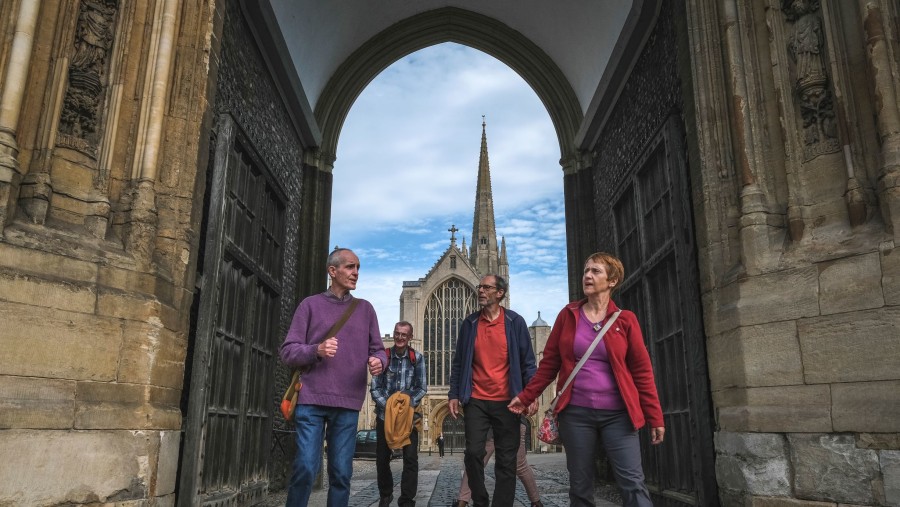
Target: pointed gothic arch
{"x": 449, "y": 24}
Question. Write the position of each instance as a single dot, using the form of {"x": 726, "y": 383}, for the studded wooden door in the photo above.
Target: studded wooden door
{"x": 235, "y": 340}
{"x": 654, "y": 239}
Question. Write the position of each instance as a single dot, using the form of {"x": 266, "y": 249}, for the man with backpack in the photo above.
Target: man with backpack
{"x": 397, "y": 391}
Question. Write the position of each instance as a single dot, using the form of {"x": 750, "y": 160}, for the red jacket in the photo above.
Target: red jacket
{"x": 628, "y": 358}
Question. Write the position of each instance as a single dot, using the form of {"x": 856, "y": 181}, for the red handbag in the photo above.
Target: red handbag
{"x": 549, "y": 429}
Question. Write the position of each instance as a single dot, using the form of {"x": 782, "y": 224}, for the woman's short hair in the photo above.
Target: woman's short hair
{"x": 615, "y": 271}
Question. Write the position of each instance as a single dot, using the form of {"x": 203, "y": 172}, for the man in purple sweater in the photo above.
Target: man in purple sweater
{"x": 334, "y": 387}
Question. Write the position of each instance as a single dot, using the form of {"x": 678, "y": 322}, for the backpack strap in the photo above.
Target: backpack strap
{"x": 409, "y": 351}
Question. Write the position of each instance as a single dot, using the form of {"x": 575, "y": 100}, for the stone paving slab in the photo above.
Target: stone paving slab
{"x": 439, "y": 480}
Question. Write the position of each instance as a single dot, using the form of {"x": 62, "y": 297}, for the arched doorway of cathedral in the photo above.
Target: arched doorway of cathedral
{"x": 452, "y": 429}
{"x": 454, "y": 434}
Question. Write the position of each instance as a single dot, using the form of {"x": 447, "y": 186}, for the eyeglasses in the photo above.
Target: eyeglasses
{"x": 485, "y": 287}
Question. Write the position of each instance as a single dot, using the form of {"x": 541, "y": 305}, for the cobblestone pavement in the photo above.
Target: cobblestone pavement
{"x": 439, "y": 480}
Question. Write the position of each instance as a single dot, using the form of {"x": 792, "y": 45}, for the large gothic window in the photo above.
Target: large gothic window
{"x": 447, "y": 306}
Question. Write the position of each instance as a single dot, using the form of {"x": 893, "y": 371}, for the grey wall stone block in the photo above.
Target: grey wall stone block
{"x": 830, "y": 467}
{"x": 890, "y": 473}
{"x": 755, "y": 463}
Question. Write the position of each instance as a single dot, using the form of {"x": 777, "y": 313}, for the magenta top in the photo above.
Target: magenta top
{"x": 594, "y": 385}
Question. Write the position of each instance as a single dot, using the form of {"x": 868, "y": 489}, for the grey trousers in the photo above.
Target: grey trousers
{"x": 579, "y": 429}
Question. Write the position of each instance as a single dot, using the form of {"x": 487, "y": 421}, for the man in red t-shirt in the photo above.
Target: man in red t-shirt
{"x": 492, "y": 362}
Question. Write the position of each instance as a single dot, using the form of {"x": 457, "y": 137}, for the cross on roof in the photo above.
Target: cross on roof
{"x": 453, "y": 230}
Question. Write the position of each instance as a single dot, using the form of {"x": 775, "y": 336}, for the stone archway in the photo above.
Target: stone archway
{"x": 442, "y": 422}
{"x": 449, "y": 24}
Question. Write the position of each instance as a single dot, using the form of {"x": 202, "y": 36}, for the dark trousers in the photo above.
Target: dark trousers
{"x": 481, "y": 416}
{"x": 580, "y": 429}
{"x": 409, "y": 479}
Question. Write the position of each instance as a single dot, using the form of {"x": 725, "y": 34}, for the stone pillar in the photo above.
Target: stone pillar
{"x": 759, "y": 243}
{"x": 14, "y": 85}
{"x": 578, "y": 188}
{"x": 315, "y": 220}
{"x": 142, "y": 222}
{"x": 883, "y": 70}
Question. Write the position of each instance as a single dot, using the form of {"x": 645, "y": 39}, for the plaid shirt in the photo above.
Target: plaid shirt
{"x": 400, "y": 375}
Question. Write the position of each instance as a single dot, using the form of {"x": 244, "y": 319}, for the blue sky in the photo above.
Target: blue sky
{"x": 406, "y": 170}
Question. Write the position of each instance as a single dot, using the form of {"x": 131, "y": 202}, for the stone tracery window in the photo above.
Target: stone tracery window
{"x": 447, "y": 306}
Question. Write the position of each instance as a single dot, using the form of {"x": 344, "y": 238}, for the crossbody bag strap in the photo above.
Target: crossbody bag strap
{"x": 585, "y": 357}
{"x": 343, "y": 320}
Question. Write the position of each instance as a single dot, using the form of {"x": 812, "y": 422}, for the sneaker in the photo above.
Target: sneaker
{"x": 385, "y": 501}
{"x": 537, "y": 504}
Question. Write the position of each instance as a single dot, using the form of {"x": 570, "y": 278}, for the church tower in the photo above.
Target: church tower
{"x": 485, "y": 254}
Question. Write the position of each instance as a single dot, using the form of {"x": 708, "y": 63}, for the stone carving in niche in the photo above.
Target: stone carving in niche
{"x": 82, "y": 107}
{"x": 806, "y": 45}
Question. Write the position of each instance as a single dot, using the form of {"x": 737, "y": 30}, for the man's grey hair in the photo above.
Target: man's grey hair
{"x": 500, "y": 283}
{"x": 336, "y": 256}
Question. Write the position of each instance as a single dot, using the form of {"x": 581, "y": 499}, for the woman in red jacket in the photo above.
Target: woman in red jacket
{"x": 613, "y": 394}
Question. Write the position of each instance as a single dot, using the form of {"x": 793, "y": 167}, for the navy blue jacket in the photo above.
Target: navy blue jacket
{"x": 521, "y": 356}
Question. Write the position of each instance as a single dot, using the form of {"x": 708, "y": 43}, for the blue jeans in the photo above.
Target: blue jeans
{"x": 580, "y": 429}
{"x": 338, "y": 427}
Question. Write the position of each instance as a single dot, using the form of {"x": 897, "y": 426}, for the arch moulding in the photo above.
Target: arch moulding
{"x": 449, "y": 24}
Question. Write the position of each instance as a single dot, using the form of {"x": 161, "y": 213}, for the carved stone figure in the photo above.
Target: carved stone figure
{"x": 810, "y": 77}
{"x": 79, "y": 121}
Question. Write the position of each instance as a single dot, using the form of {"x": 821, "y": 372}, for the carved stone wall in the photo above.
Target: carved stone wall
{"x": 797, "y": 278}
{"x": 95, "y": 337}
{"x": 82, "y": 110}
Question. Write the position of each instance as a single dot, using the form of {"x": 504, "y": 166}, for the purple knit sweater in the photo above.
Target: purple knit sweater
{"x": 339, "y": 381}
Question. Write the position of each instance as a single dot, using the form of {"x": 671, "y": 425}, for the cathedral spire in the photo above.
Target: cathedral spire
{"x": 484, "y": 254}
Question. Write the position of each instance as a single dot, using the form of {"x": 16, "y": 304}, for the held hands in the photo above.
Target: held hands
{"x": 656, "y": 435}
{"x": 375, "y": 366}
{"x": 516, "y": 406}
{"x": 328, "y": 348}
{"x": 453, "y": 406}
